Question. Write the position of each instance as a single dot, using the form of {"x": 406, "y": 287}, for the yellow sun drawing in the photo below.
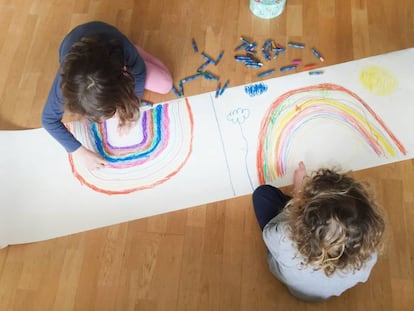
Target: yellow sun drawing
{"x": 378, "y": 80}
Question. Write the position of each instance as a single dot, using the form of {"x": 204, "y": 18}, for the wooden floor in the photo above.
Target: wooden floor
{"x": 209, "y": 257}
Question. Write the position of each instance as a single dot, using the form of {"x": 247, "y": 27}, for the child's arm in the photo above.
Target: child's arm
{"x": 52, "y": 118}
{"x": 299, "y": 177}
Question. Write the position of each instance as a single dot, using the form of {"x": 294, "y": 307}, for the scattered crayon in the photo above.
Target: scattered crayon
{"x": 207, "y": 57}
{"x": 219, "y": 58}
{"x": 224, "y": 87}
{"x": 310, "y": 66}
{"x": 241, "y": 46}
{"x": 204, "y": 65}
{"x": 194, "y": 44}
{"x": 287, "y": 68}
{"x": 316, "y": 72}
{"x": 296, "y": 45}
{"x": 254, "y": 65}
{"x": 245, "y": 40}
{"x": 145, "y": 103}
{"x": 296, "y": 62}
{"x": 317, "y": 54}
{"x": 181, "y": 86}
{"x": 218, "y": 90}
{"x": 265, "y": 73}
{"x": 190, "y": 78}
{"x": 176, "y": 92}
{"x": 209, "y": 76}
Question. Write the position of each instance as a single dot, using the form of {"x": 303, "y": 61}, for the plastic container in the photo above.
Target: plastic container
{"x": 267, "y": 8}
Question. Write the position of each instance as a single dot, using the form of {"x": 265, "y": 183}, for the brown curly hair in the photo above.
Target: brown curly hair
{"x": 335, "y": 222}
{"x": 95, "y": 83}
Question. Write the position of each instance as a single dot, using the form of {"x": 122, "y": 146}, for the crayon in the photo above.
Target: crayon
{"x": 145, "y": 103}
{"x": 296, "y": 45}
{"x": 252, "y": 46}
{"x": 190, "y": 78}
{"x": 204, "y": 65}
{"x": 194, "y": 43}
{"x": 209, "y": 76}
{"x": 180, "y": 85}
{"x": 241, "y": 46}
{"x": 175, "y": 91}
{"x": 242, "y": 58}
{"x": 265, "y": 73}
{"x": 316, "y": 72}
{"x": 254, "y": 65}
{"x": 218, "y": 90}
{"x": 219, "y": 58}
{"x": 245, "y": 40}
{"x": 316, "y": 53}
{"x": 309, "y": 66}
{"x": 287, "y": 68}
{"x": 224, "y": 87}
{"x": 206, "y": 57}
{"x": 296, "y": 61}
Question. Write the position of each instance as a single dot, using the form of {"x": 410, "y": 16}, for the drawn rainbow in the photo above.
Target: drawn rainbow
{"x": 162, "y": 144}
{"x": 290, "y": 112}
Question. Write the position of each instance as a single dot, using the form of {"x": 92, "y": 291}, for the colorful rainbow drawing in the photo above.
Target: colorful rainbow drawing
{"x": 156, "y": 149}
{"x": 290, "y": 112}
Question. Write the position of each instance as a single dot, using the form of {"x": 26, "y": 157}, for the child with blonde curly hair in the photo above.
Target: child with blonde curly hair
{"x": 323, "y": 240}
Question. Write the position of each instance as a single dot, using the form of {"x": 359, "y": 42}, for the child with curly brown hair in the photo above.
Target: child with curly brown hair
{"x": 102, "y": 74}
{"x": 323, "y": 240}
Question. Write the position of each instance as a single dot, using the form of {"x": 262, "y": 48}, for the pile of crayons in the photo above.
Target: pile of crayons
{"x": 201, "y": 72}
{"x": 270, "y": 50}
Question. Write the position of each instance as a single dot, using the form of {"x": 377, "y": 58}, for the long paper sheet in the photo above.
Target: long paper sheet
{"x": 356, "y": 115}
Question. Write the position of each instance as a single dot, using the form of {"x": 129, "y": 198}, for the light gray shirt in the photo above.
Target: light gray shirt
{"x": 305, "y": 282}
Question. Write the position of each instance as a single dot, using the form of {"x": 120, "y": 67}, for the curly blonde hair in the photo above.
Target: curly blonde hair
{"x": 95, "y": 83}
{"x": 335, "y": 222}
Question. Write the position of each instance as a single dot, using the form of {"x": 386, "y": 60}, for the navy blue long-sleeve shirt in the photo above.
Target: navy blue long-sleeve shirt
{"x": 54, "y": 107}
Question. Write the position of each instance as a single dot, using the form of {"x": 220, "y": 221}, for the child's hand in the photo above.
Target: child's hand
{"x": 299, "y": 177}
{"x": 90, "y": 160}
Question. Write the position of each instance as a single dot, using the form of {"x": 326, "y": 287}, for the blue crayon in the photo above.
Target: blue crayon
{"x": 254, "y": 65}
{"x": 287, "y": 68}
{"x": 209, "y": 76}
{"x": 252, "y": 46}
{"x": 241, "y": 46}
{"x": 175, "y": 91}
{"x": 316, "y": 53}
{"x": 206, "y": 57}
{"x": 219, "y": 57}
{"x": 316, "y": 72}
{"x": 265, "y": 73}
{"x": 204, "y": 65}
{"x": 190, "y": 78}
{"x": 180, "y": 85}
{"x": 245, "y": 40}
{"x": 242, "y": 58}
{"x": 218, "y": 90}
{"x": 224, "y": 87}
{"x": 145, "y": 103}
{"x": 296, "y": 45}
{"x": 194, "y": 43}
